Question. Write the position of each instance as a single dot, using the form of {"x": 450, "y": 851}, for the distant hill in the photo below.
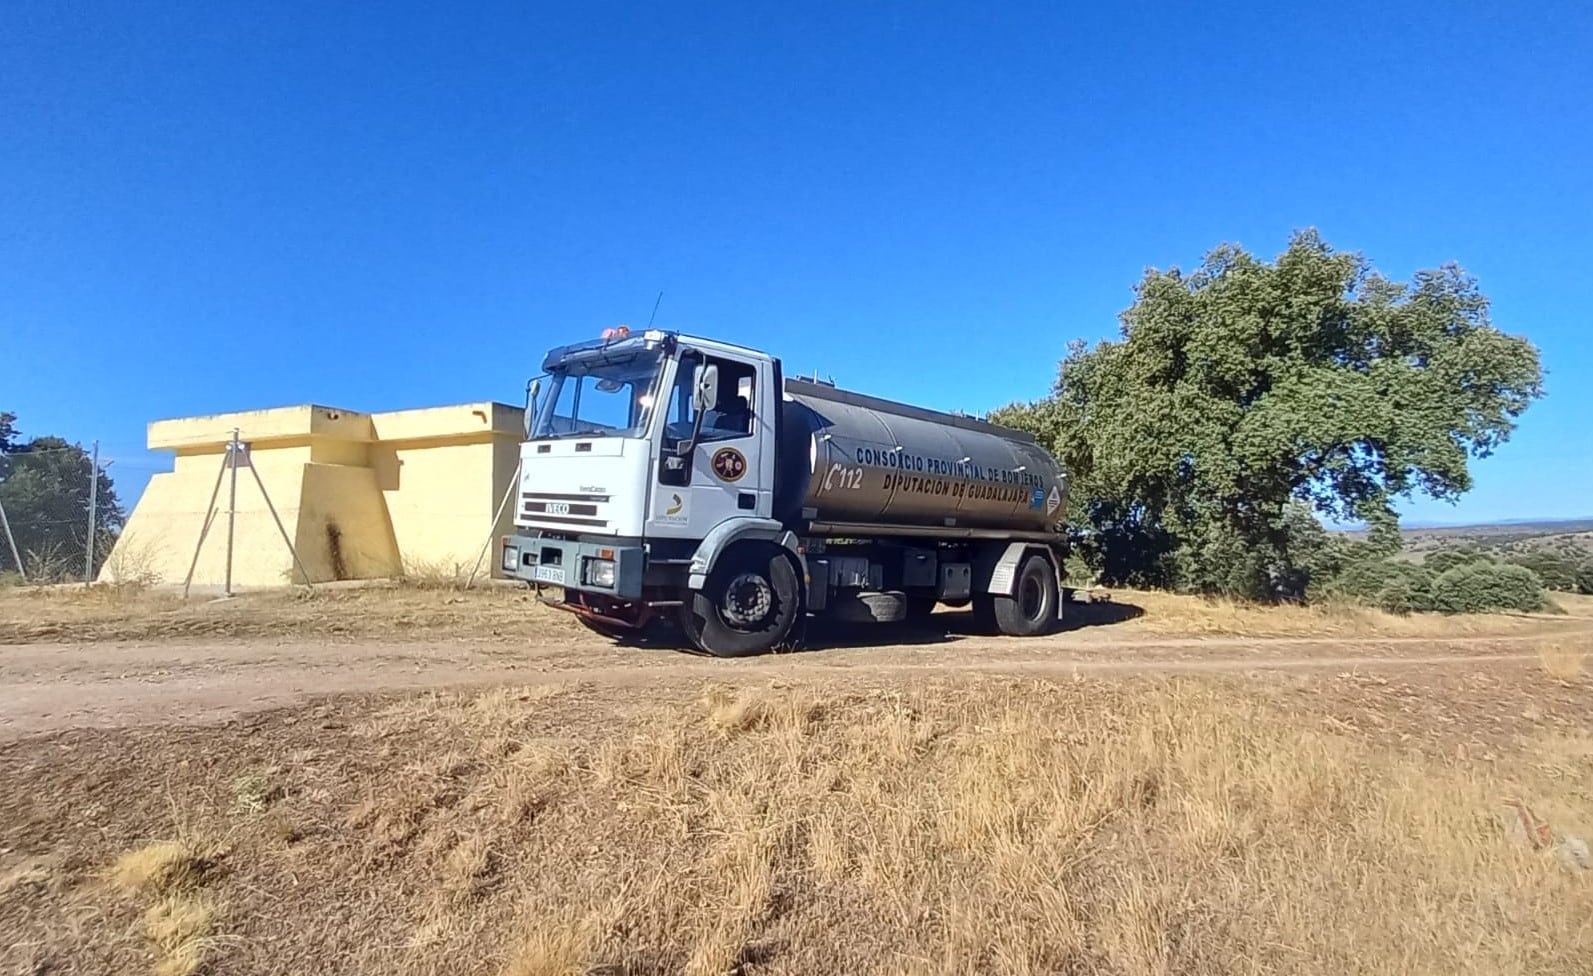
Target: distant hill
{"x": 1516, "y": 535}
{"x": 1522, "y": 527}
{"x": 1571, "y": 538}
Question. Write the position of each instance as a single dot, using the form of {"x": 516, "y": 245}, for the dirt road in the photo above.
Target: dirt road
{"x": 48, "y": 687}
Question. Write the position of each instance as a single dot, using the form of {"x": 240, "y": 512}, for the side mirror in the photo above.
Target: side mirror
{"x": 706, "y": 393}
{"x": 532, "y": 390}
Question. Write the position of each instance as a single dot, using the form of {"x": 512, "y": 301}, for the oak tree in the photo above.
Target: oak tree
{"x": 1245, "y": 385}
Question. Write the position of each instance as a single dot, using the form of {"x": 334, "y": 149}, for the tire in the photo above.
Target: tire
{"x": 1031, "y": 610}
{"x": 750, "y": 603}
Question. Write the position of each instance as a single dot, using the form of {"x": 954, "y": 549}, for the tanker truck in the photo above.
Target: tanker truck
{"x": 669, "y": 478}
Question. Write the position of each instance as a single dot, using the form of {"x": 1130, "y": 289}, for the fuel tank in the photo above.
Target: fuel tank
{"x": 850, "y": 458}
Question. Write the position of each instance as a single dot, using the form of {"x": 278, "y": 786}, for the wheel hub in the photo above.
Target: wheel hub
{"x": 748, "y": 600}
{"x": 1031, "y": 598}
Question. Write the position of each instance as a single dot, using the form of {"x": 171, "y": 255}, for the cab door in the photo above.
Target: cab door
{"x": 729, "y": 471}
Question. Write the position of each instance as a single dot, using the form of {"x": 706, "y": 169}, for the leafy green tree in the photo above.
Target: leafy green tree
{"x": 1246, "y": 385}
{"x": 44, "y": 486}
{"x": 1487, "y": 587}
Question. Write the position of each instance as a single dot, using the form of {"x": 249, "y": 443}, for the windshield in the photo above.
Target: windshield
{"x": 600, "y": 393}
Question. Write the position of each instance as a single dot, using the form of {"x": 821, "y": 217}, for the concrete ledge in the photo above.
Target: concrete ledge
{"x": 256, "y": 426}
{"x": 452, "y": 421}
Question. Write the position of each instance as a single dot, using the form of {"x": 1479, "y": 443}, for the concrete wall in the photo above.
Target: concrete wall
{"x": 361, "y": 495}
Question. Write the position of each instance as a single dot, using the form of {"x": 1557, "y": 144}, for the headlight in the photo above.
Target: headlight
{"x": 511, "y": 558}
{"x": 600, "y": 572}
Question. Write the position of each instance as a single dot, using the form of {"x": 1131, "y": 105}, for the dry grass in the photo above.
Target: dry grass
{"x": 178, "y": 921}
{"x": 179, "y": 929}
{"x": 1177, "y": 614}
{"x": 442, "y": 574}
{"x": 1014, "y": 827}
{"x": 403, "y": 612}
{"x": 1015, "y": 833}
{"x": 1564, "y": 659}
{"x": 159, "y": 868}
{"x": 433, "y": 602}
{"x": 559, "y": 945}
{"x": 390, "y": 611}
{"x": 963, "y": 826}
{"x": 132, "y": 562}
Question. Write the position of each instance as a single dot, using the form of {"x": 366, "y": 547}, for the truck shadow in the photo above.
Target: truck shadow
{"x": 943, "y": 627}
{"x": 947, "y": 626}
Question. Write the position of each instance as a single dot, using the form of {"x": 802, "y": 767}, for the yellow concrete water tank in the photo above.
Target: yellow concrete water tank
{"x": 362, "y": 495}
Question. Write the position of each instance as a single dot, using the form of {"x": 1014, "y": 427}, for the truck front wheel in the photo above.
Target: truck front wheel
{"x": 748, "y": 604}
{"x": 1031, "y": 610}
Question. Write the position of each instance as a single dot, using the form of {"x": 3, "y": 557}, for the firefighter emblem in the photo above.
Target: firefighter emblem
{"x": 729, "y": 464}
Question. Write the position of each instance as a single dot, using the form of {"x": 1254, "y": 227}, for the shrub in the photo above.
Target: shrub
{"x": 1389, "y": 584}
{"x": 1400, "y": 595}
{"x": 1442, "y": 560}
{"x": 1556, "y": 571}
{"x": 1487, "y": 587}
{"x": 1584, "y": 578}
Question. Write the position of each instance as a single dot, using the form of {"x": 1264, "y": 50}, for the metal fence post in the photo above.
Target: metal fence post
{"x": 232, "y": 503}
{"x": 204, "y": 529}
{"x": 93, "y": 500}
{"x": 5, "y": 523}
{"x": 496, "y": 518}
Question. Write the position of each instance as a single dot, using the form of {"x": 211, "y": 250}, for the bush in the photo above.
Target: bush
{"x": 1584, "y": 578}
{"x": 1442, "y": 560}
{"x": 1400, "y": 595}
{"x": 1556, "y": 571}
{"x": 1389, "y": 584}
{"x": 1487, "y": 587}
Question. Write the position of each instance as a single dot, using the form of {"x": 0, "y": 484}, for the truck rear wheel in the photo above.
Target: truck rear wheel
{"x": 1031, "y": 610}
{"x": 747, "y": 606}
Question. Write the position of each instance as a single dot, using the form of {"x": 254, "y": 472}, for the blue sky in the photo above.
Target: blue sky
{"x": 206, "y": 208}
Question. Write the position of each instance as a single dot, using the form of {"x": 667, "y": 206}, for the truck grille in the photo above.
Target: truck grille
{"x": 561, "y": 496}
{"x": 562, "y": 508}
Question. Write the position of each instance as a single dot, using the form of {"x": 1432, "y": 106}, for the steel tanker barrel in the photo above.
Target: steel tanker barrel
{"x": 862, "y": 460}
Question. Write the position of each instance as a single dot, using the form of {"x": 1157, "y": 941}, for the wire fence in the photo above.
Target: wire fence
{"x": 60, "y": 514}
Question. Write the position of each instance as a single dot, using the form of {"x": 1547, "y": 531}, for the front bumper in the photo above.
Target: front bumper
{"x": 575, "y": 565}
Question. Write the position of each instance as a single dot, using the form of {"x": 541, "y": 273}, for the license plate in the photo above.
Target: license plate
{"x": 548, "y": 574}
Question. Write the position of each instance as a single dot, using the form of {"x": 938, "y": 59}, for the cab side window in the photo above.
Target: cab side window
{"x": 731, "y": 417}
